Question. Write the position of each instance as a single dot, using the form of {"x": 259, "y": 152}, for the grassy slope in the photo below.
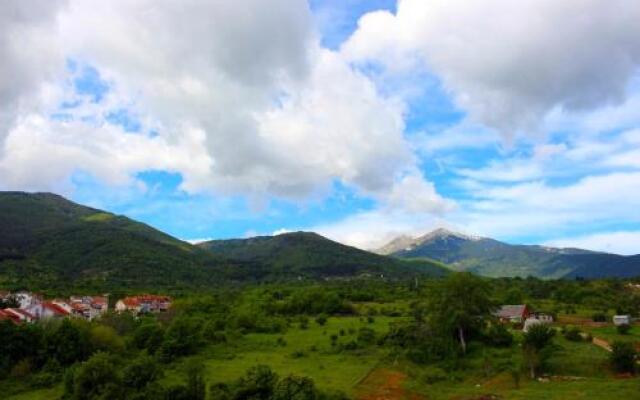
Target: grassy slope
{"x": 311, "y": 255}
{"x": 49, "y": 242}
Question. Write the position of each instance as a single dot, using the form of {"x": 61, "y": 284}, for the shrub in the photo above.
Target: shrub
{"x": 573, "y": 334}
{"x": 498, "y": 335}
{"x": 599, "y": 317}
{"x": 321, "y": 319}
{"x": 623, "y": 357}
{"x": 623, "y": 329}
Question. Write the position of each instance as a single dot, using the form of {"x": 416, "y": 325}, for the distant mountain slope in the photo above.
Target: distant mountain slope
{"x": 47, "y": 241}
{"x": 307, "y": 254}
{"x": 493, "y": 258}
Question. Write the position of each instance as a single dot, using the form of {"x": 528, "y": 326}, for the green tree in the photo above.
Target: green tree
{"x": 68, "y": 343}
{"x": 623, "y": 357}
{"x": 257, "y": 384}
{"x": 537, "y": 347}
{"x": 96, "y": 378}
{"x": 459, "y": 304}
{"x": 295, "y": 388}
{"x": 141, "y": 372}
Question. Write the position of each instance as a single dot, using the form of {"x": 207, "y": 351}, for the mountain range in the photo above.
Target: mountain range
{"x": 493, "y": 258}
{"x": 49, "y": 242}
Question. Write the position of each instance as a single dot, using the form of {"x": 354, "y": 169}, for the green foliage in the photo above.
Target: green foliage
{"x": 96, "y": 378}
{"x": 623, "y": 357}
{"x": 537, "y": 347}
{"x": 623, "y": 329}
{"x": 459, "y": 304}
{"x": 498, "y": 335}
{"x": 181, "y": 338}
{"x": 573, "y": 334}
{"x": 69, "y": 342}
{"x": 141, "y": 372}
{"x": 306, "y": 254}
{"x": 148, "y": 336}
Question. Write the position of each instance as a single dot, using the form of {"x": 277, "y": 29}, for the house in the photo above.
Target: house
{"x": 621, "y": 320}
{"x": 513, "y": 313}
{"x": 89, "y": 307}
{"x": 542, "y": 316}
{"x": 28, "y": 299}
{"x": 5, "y": 316}
{"x": 144, "y": 303}
{"x": 20, "y": 315}
{"x": 48, "y": 310}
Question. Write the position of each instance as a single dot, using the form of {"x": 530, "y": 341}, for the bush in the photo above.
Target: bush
{"x": 623, "y": 357}
{"x": 321, "y": 319}
{"x": 623, "y": 329}
{"x": 599, "y": 317}
{"x": 498, "y": 335}
{"x": 573, "y": 334}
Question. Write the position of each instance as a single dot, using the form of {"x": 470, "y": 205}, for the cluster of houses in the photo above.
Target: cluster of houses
{"x": 521, "y": 314}
{"x": 29, "y": 307}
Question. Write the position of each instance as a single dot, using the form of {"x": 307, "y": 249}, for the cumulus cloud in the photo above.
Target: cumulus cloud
{"x": 29, "y": 55}
{"x": 510, "y": 63}
{"x": 240, "y": 95}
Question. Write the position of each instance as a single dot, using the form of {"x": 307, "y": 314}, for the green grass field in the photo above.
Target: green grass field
{"x": 307, "y": 352}
{"x": 579, "y": 369}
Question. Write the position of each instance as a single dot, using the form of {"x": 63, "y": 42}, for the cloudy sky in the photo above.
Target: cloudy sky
{"x": 358, "y": 119}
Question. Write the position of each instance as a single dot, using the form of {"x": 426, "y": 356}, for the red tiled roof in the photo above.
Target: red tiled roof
{"x": 20, "y": 312}
{"x": 55, "y": 308}
{"x": 4, "y": 315}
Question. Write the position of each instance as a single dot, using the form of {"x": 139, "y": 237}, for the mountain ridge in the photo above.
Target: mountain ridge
{"x": 490, "y": 257}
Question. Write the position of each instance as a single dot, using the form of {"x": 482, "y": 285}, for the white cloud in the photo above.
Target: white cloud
{"x": 538, "y": 208}
{"x": 241, "y": 94}
{"x": 618, "y": 242}
{"x": 510, "y": 63}
{"x": 29, "y": 55}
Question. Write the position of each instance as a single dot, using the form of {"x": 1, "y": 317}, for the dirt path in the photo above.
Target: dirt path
{"x": 384, "y": 384}
{"x": 602, "y": 343}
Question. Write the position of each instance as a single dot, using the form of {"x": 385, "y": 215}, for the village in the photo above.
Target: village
{"x": 28, "y": 307}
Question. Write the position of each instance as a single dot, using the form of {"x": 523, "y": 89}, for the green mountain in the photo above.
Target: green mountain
{"x": 493, "y": 258}
{"x": 49, "y": 242}
{"x": 309, "y": 255}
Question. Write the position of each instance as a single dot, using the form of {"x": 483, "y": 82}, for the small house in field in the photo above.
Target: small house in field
{"x": 542, "y": 316}
{"x": 621, "y": 320}
{"x": 516, "y": 314}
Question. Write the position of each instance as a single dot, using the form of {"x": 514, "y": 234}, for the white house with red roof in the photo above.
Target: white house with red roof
{"x": 144, "y": 303}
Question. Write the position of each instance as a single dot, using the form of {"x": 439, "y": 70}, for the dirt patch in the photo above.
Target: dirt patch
{"x": 385, "y": 384}
{"x": 602, "y": 343}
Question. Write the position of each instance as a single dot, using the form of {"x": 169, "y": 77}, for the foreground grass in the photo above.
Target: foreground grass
{"x": 306, "y": 352}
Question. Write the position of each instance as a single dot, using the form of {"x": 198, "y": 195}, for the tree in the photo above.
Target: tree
{"x": 96, "y": 378}
{"x": 537, "y": 347}
{"x": 459, "y": 304}
{"x": 295, "y": 388}
{"x": 68, "y": 343}
{"x": 141, "y": 372}
{"x": 257, "y": 384}
{"x": 623, "y": 357}
{"x": 196, "y": 386}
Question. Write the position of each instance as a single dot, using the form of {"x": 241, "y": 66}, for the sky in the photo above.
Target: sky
{"x": 360, "y": 120}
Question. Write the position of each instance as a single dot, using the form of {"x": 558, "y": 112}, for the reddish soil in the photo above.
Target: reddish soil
{"x": 385, "y": 384}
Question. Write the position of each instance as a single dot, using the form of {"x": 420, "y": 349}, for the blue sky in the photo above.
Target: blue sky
{"x": 361, "y": 120}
